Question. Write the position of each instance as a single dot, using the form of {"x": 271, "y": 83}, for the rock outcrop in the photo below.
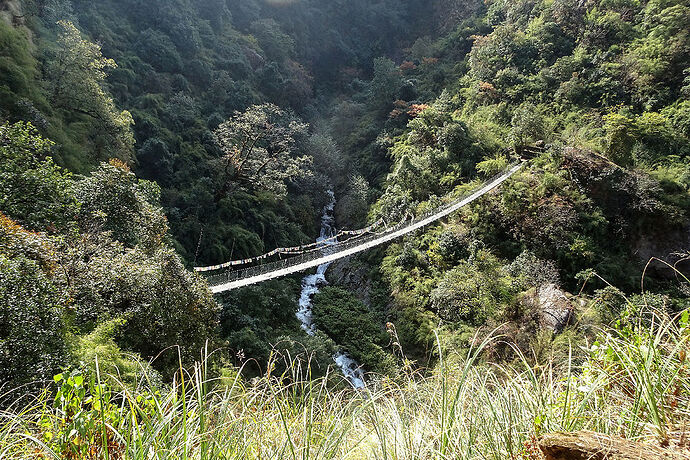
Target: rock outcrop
{"x": 352, "y": 276}
{"x": 586, "y": 445}
{"x": 552, "y": 306}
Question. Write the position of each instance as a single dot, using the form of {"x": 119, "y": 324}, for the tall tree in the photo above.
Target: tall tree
{"x": 259, "y": 151}
{"x": 77, "y": 73}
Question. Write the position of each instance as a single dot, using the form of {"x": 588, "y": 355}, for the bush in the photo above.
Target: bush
{"x": 473, "y": 290}
{"x": 528, "y": 125}
{"x": 32, "y": 346}
{"x": 492, "y": 166}
{"x": 113, "y": 199}
{"x": 33, "y": 190}
{"x": 350, "y": 324}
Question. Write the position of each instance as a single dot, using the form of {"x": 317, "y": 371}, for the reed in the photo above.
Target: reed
{"x": 632, "y": 382}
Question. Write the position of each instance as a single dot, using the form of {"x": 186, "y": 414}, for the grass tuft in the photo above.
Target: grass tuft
{"x": 631, "y": 382}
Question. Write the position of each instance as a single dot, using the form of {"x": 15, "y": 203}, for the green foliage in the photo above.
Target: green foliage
{"x": 33, "y": 190}
{"x": 527, "y": 125}
{"x": 276, "y": 44}
{"x": 171, "y": 307}
{"x": 629, "y": 383}
{"x": 385, "y": 83}
{"x": 31, "y": 322}
{"x": 473, "y": 291}
{"x": 434, "y": 156}
{"x": 183, "y": 68}
{"x": 18, "y": 71}
{"x": 621, "y": 135}
{"x": 492, "y": 166}
{"x": 114, "y": 200}
{"x": 589, "y": 78}
{"x": 534, "y": 271}
{"x": 353, "y": 206}
{"x": 157, "y": 49}
{"x": 255, "y": 318}
{"x": 100, "y": 345}
{"x": 104, "y": 257}
{"x": 258, "y": 148}
{"x": 77, "y": 73}
{"x": 353, "y": 326}
{"x": 84, "y": 420}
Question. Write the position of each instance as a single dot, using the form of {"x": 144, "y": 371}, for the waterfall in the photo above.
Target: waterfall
{"x": 310, "y": 286}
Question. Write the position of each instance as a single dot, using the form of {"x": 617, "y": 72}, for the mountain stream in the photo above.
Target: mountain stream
{"x": 310, "y": 286}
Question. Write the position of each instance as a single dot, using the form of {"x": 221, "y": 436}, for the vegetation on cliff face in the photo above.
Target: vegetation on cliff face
{"x": 139, "y": 138}
{"x": 602, "y": 87}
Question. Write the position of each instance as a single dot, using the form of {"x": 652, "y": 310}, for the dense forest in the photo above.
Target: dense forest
{"x": 141, "y": 139}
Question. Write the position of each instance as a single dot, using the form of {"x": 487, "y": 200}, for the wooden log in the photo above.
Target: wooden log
{"x": 586, "y": 445}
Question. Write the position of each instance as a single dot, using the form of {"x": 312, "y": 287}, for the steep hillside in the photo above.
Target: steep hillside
{"x": 165, "y": 89}
{"x": 601, "y": 88}
{"x": 139, "y": 138}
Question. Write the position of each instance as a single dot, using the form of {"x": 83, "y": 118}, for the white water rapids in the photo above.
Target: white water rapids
{"x": 310, "y": 286}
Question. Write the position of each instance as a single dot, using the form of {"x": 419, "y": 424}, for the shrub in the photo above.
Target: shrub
{"x": 33, "y": 190}
{"x": 528, "y": 125}
{"x": 32, "y": 345}
{"x": 492, "y": 166}
{"x": 473, "y": 290}
{"x": 350, "y": 324}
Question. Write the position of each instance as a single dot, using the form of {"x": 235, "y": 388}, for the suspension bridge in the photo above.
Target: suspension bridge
{"x": 224, "y": 278}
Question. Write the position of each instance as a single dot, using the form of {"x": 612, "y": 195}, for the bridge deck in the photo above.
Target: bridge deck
{"x": 296, "y": 265}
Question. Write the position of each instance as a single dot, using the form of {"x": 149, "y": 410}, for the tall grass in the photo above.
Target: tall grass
{"x": 632, "y": 382}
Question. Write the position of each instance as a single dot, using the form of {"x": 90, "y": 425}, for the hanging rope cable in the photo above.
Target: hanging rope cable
{"x": 311, "y": 255}
{"x": 295, "y": 250}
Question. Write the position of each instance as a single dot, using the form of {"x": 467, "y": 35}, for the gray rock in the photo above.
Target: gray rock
{"x": 555, "y": 307}
{"x": 550, "y": 307}
{"x": 353, "y": 276}
{"x": 669, "y": 246}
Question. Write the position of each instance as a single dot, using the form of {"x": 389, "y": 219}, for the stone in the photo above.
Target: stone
{"x": 587, "y": 445}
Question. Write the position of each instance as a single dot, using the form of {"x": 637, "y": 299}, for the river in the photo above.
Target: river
{"x": 310, "y": 286}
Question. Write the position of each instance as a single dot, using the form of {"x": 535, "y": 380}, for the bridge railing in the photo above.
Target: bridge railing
{"x": 230, "y": 276}
{"x": 235, "y": 275}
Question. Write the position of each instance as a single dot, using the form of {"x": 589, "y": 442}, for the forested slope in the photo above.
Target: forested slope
{"x": 139, "y": 138}
{"x": 114, "y": 87}
{"x": 141, "y": 114}
{"x": 601, "y": 87}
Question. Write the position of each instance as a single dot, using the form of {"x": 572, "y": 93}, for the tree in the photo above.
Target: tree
{"x": 33, "y": 190}
{"x": 31, "y": 330}
{"x": 527, "y": 125}
{"x": 473, "y": 290}
{"x": 277, "y": 45}
{"x": 258, "y": 148}
{"x": 113, "y": 199}
{"x": 157, "y": 49}
{"x": 32, "y": 306}
{"x": 493, "y": 165}
{"x": 54, "y": 11}
{"x": 353, "y": 206}
{"x": 155, "y": 159}
{"x": 216, "y": 11}
{"x": 77, "y": 73}
{"x": 169, "y": 307}
{"x": 383, "y": 89}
